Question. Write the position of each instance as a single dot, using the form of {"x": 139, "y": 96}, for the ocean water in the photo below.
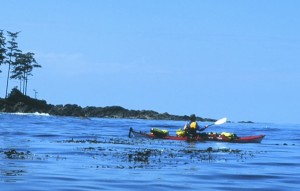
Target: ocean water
{"x": 41, "y": 152}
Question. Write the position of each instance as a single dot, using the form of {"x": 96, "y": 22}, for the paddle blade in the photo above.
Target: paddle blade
{"x": 221, "y": 121}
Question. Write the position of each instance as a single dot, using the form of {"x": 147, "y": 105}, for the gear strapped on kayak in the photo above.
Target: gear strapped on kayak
{"x": 186, "y": 135}
{"x": 211, "y": 136}
{"x": 159, "y": 132}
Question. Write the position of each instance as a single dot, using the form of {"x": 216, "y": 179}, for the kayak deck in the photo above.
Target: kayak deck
{"x": 200, "y": 137}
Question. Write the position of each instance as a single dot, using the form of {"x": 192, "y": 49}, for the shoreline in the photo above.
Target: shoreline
{"x": 19, "y": 103}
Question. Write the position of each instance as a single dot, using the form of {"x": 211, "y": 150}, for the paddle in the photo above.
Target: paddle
{"x": 219, "y": 122}
{"x": 130, "y": 130}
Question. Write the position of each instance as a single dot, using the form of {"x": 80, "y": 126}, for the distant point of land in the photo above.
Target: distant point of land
{"x": 245, "y": 122}
{"x": 18, "y": 102}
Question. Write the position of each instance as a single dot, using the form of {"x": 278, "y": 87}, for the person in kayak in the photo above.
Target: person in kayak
{"x": 192, "y": 127}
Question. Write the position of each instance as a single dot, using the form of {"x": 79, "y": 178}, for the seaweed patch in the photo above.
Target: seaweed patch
{"x": 13, "y": 154}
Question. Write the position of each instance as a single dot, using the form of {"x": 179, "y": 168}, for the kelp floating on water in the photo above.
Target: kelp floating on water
{"x": 125, "y": 153}
{"x": 13, "y": 154}
{"x": 152, "y": 157}
{"x": 137, "y": 155}
{"x": 96, "y": 141}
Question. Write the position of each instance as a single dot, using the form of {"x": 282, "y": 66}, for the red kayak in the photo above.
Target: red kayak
{"x": 200, "y": 137}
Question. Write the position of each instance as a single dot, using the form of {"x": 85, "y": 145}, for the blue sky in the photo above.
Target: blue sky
{"x": 214, "y": 58}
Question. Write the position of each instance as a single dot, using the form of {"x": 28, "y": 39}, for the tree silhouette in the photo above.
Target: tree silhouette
{"x": 12, "y": 54}
{"x": 2, "y": 48}
{"x": 22, "y": 69}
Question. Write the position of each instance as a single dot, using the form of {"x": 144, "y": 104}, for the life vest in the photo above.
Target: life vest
{"x": 191, "y": 126}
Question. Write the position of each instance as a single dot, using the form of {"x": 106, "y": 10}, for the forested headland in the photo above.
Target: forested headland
{"x": 20, "y": 65}
{"x": 18, "y": 102}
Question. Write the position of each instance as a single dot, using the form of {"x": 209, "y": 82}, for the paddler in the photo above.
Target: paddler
{"x": 192, "y": 127}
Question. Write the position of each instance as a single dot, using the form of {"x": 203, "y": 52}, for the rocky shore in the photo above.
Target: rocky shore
{"x": 17, "y": 102}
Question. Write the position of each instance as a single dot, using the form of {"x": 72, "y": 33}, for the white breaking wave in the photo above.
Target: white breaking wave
{"x": 30, "y": 114}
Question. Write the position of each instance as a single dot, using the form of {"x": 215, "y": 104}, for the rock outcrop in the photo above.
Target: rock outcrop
{"x": 17, "y": 102}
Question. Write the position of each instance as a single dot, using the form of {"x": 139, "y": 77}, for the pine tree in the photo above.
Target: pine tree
{"x": 22, "y": 69}
{"x": 12, "y": 51}
{"x": 2, "y": 48}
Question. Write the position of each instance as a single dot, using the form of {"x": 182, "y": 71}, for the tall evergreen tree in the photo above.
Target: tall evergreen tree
{"x": 12, "y": 54}
{"x": 22, "y": 69}
{"x": 2, "y": 48}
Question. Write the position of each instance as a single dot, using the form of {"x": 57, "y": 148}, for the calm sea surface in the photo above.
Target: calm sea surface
{"x": 40, "y": 152}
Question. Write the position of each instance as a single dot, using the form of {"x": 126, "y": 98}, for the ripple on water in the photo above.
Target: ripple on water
{"x": 57, "y": 153}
